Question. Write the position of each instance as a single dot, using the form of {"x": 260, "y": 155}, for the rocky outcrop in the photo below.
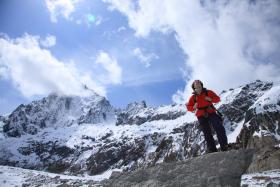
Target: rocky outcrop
{"x": 267, "y": 154}
{"x": 116, "y": 154}
{"x": 217, "y": 169}
{"x": 264, "y": 160}
{"x": 262, "y": 124}
{"x": 50, "y": 156}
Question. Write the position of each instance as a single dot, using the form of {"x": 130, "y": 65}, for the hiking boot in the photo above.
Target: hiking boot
{"x": 211, "y": 151}
{"x": 224, "y": 148}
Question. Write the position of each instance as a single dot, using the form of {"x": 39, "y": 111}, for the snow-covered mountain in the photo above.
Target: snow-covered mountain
{"x": 139, "y": 113}
{"x": 77, "y": 135}
{"x": 58, "y": 111}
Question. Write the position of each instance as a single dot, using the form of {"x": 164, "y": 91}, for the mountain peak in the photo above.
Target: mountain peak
{"x": 136, "y": 106}
{"x": 58, "y": 110}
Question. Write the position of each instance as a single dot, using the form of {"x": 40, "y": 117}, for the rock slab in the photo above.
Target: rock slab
{"x": 215, "y": 169}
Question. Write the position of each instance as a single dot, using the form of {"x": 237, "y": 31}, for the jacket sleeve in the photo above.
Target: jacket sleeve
{"x": 215, "y": 98}
{"x": 190, "y": 104}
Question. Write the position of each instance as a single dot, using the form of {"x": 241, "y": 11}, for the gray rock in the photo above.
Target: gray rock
{"x": 216, "y": 169}
{"x": 267, "y": 158}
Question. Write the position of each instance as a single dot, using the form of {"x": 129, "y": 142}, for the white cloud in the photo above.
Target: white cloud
{"x": 144, "y": 58}
{"x": 67, "y": 8}
{"x": 98, "y": 21}
{"x": 109, "y": 33}
{"x": 61, "y": 8}
{"x": 35, "y": 71}
{"x": 178, "y": 97}
{"x": 113, "y": 70}
{"x": 121, "y": 29}
{"x": 228, "y": 43}
{"x": 49, "y": 41}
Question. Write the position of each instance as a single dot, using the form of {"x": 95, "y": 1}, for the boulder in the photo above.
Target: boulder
{"x": 216, "y": 169}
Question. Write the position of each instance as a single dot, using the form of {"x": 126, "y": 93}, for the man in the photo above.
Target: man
{"x": 201, "y": 102}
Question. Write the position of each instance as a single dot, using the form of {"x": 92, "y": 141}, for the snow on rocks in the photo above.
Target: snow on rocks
{"x": 265, "y": 178}
{"x": 13, "y": 176}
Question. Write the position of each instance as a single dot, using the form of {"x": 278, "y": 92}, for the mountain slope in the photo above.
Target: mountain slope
{"x": 77, "y": 135}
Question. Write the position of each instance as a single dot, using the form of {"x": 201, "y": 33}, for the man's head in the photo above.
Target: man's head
{"x": 197, "y": 86}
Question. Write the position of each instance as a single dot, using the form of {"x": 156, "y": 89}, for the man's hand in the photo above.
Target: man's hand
{"x": 208, "y": 99}
{"x": 195, "y": 106}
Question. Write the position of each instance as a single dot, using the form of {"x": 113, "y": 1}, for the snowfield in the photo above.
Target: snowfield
{"x": 13, "y": 176}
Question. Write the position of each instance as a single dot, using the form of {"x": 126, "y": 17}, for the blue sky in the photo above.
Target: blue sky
{"x": 81, "y": 44}
{"x": 134, "y": 50}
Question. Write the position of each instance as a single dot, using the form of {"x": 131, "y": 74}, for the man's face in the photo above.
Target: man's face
{"x": 197, "y": 87}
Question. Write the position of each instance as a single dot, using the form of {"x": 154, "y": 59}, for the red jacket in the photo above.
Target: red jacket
{"x": 201, "y": 102}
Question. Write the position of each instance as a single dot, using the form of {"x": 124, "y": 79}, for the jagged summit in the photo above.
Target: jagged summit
{"x": 135, "y": 107}
{"x": 57, "y": 110}
{"x": 140, "y": 113}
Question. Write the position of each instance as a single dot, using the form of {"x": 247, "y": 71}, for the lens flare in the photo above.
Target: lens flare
{"x": 91, "y": 18}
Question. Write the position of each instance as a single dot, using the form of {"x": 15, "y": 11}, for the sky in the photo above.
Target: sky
{"x": 128, "y": 50}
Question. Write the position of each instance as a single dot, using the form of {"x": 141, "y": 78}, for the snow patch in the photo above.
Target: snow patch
{"x": 265, "y": 178}
{"x": 228, "y": 96}
{"x": 13, "y": 176}
{"x": 233, "y": 135}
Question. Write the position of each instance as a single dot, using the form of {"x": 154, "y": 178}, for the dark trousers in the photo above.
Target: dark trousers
{"x": 205, "y": 124}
